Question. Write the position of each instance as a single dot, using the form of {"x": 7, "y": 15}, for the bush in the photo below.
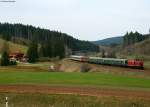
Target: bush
{"x": 85, "y": 68}
{"x": 111, "y": 55}
{"x": 12, "y": 63}
{"x": 44, "y": 59}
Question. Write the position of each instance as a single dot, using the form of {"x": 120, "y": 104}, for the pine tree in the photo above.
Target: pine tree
{"x": 42, "y": 52}
{"x": 5, "y": 55}
{"x": 32, "y": 52}
{"x": 103, "y": 53}
{"x": 59, "y": 49}
{"x": 5, "y": 59}
{"x": 132, "y": 38}
{"x": 125, "y": 39}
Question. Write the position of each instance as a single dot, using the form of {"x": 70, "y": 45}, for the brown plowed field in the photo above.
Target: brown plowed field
{"x": 74, "y": 90}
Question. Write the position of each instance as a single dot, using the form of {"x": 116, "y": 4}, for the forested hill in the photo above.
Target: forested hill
{"x": 134, "y": 37}
{"x": 50, "y": 40}
{"x": 110, "y": 41}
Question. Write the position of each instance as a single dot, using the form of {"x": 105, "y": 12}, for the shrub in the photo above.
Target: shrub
{"x": 13, "y": 63}
{"x": 85, "y": 68}
{"x": 44, "y": 59}
{"x": 5, "y": 59}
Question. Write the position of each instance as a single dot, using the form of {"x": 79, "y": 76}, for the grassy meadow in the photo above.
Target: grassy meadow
{"x": 74, "y": 79}
{"x": 13, "y": 47}
{"x": 48, "y": 100}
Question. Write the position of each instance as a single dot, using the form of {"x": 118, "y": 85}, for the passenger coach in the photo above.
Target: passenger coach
{"x": 108, "y": 61}
{"x": 79, "y": 58}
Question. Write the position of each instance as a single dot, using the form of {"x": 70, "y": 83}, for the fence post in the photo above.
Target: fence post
{"x": 6, "y": 101}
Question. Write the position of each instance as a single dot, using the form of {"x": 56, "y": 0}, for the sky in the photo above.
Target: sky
{"x": 83, "y": 19}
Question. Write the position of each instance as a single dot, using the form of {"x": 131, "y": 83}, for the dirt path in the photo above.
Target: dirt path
{"x": 74, "y": 90}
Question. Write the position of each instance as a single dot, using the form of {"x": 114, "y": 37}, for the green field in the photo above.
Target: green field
{"x": 76, "y": 79}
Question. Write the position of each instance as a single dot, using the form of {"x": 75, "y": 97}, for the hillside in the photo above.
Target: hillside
{"x": 13, "y": 47}
{"x": 109, "y": 41}
{"x": 51, "y": 40}
{"x": 138, "y": 50}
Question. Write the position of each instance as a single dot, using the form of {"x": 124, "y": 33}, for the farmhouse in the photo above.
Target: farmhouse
{"x": 18, "y": 56}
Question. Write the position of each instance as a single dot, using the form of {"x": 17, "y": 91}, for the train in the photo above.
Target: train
{"x": 132, "y": 63}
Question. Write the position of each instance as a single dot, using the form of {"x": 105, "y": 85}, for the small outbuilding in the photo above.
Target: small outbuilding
{"x": 18, "y": 56}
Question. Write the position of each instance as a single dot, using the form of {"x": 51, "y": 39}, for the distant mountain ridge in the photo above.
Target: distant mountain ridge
{"x": 114, "y": 40}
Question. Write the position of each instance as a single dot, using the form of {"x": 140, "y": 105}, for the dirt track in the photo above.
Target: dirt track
{"x": 74, "y": 90}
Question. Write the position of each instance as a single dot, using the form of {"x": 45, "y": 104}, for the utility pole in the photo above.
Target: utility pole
{"x": 6, "y": 101}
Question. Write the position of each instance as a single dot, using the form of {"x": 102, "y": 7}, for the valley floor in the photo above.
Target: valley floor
{"x": 105, "y": 86}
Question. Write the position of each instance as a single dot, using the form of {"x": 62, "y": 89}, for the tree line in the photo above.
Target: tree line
{"x": 132, "y": 38}
{"x": 50, "y": 43}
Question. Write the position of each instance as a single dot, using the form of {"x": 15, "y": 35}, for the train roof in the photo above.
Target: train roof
{"x": 108, "y": 58}
{"x": 77, "y": 56}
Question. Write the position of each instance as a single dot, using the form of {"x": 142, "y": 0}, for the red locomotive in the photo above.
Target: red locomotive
{"x": 135, "y": 63}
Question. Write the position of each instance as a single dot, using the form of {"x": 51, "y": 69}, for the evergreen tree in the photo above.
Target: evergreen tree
{"x": 5, "y": 59}
{"x": 103, "y": 53}
{"x": 125, "y": 39}
{"x": 32, "y": 52}
{"x": 5, "y": 55}
{"x": 48, "y": 50}
{"x": 132, "y": 38}
{"x": 42, "y": 51}
{"x": 60, "y": 49}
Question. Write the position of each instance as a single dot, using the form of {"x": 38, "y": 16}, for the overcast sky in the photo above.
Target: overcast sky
{"x": 82, "y": 19}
